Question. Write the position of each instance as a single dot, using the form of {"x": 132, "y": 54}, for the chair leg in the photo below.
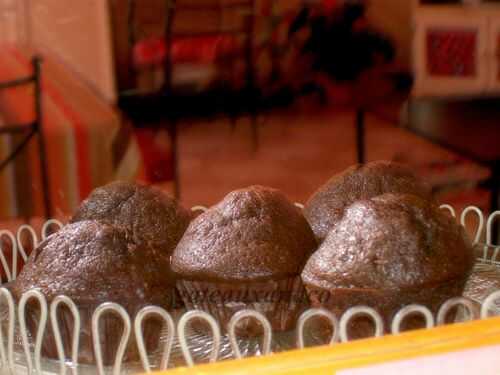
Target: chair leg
{"x": 173, "y": 131}
{"x": 233, "y": 119}
{"x": 255, "y": 130}
{"x": 360, "y": 136}
{"x": 495, "y": 201}
{"x": 45, "y": 176}
{"x": 41, "y": 139}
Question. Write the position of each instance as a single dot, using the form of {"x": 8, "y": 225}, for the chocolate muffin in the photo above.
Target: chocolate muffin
{"x": 327, "y": 205}
{"x": 388, "y": 252}
{"x": 152, "y": 217}
{"x": 93, "y": 263}
{"x": 246, "y": 252}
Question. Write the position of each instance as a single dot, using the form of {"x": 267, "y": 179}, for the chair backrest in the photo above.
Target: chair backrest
{"x": 199, "y": 18}
{"x": 183, "y": 20}
{"x": 33, "y": 79}
{"x": 209, "y": 17}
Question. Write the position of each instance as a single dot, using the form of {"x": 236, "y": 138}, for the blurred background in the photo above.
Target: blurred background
{"x": 200, "y": 97}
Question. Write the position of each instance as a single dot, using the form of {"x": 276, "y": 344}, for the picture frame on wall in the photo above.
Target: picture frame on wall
{"x": 448, "y": 52}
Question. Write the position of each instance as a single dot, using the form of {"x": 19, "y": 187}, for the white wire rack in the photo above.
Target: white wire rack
{"x": 20, "y": 353}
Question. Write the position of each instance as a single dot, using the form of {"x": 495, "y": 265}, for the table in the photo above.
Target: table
{"x": 467, "y": 127}
{"x": 471, "y": 128}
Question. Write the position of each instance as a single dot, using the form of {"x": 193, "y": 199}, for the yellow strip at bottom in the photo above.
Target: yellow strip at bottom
{"x": 469, "y": 347}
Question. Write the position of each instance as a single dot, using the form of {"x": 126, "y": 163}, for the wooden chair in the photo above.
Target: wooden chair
{"x": 168, "y": 106}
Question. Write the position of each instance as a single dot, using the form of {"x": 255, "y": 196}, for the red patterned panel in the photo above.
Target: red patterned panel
{"x": 452, "y": 53}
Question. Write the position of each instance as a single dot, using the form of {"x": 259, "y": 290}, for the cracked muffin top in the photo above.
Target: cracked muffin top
{"x": 151, "y": 216}
{"x": 393, "y": 241}
{"x": 326, "y": 206}
{"x": 93, "y": 262}
{"x": 252, "y": 234}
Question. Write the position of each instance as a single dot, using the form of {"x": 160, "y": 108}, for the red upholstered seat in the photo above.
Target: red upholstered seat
{"x": 196, "y": 49}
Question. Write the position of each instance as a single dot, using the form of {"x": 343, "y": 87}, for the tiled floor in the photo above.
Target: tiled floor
{"x": 298, "y": 151}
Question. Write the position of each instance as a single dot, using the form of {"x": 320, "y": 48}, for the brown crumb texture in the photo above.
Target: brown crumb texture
{"x": 253, "y": 234}
{"x": 327, "y": 205}
{"x": 391, "y": 241}
{"x": 389, "y": 252}
{"x": 151, "y": 216}
{"x": 94, "y": 262}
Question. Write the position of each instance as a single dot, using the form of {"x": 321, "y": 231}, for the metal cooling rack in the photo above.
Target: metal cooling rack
{"x": 183, "y": 346}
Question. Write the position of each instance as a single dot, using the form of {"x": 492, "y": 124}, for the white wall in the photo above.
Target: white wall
{"x": 79, "y": 33}
{"x": 12, "y": 21}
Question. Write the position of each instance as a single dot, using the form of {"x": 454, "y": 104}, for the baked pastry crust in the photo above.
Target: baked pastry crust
{"x": 254, "y": 234}
{"x": 92, "y": 263}
{"x": 151, "y": 216}
{"x": 247, "y": 252}
{"x": 327, "y": 205}
{"x": 388, "y": 252}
